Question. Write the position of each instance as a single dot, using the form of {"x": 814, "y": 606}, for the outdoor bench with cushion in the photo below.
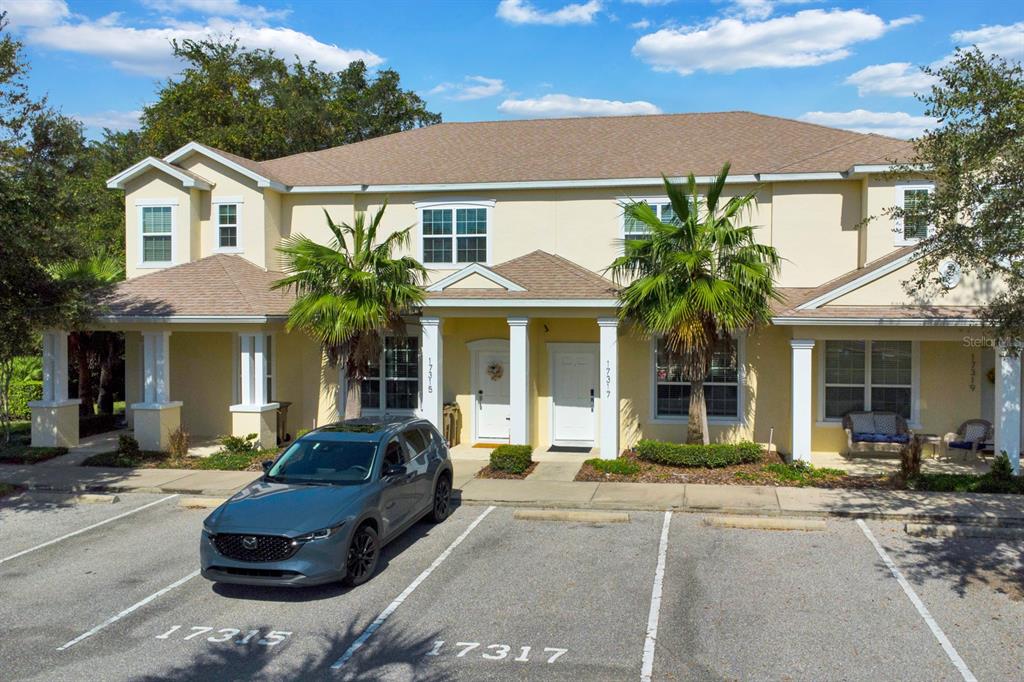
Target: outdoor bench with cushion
{"x": 974, "y": 436}
{"x": 875, "y": 432}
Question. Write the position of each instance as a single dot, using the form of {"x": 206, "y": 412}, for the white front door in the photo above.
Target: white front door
{"x": 573, "y": 401}
{"x": 492, "y": 395}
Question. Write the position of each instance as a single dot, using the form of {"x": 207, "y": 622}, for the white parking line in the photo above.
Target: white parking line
{"x": 87, "y": 528}
{"x": 652, "y": 617}
{"x": 944, "y": 642}
{"x": 129, "y": 610}
{"x": 386, "y": 613}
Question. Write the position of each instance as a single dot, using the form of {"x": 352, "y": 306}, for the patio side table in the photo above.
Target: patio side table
{"x": 933, "y": 439}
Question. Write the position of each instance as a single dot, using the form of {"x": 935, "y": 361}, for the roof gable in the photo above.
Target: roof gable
{"x": 475, "y": 276}
{"x": 186, "y": 178}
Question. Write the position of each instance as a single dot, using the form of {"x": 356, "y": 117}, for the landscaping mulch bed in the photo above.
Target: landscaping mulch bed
{"x": 489, "y": 472}
{"x": 220, "y": 461}
{"x": 754, "y": 473}
{"x": 22, "y": 453}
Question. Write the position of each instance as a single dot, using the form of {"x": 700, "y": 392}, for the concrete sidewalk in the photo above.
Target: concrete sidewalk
{"x": 1005, "y": 510}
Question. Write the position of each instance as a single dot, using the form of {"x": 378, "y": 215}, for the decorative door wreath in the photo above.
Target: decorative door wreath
{"x": 495, "y": 371}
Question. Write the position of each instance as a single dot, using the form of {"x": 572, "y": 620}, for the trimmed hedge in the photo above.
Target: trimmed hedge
{"x": 713, "y": 456}
{"x": 515, "y": 459}
{"x": 620, "y": 466}
{"x": 22, "y": 392}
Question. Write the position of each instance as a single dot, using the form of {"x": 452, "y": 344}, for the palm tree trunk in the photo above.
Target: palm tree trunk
{"x": 697, "y": 426}
{"x": 354, "y": 398}
{"x": 80, "y": 345}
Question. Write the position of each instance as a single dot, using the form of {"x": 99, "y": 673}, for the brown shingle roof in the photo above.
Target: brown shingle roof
{"x": 216, "y": 286}
{"x": 543, "y": 276}
{"x": 585, "y": 149}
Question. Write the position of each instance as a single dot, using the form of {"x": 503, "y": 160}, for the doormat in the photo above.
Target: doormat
{"x": 569, "y": 448}
{"x": 488, "y": 445}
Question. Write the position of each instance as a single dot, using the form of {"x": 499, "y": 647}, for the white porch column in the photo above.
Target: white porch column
{"x": 519, "y": 380}
{"x": 609, "y": 387}
{"x": 55, "y": 417}
{"x": 431, "y": 378}
{"x": 255, "y": 413}
{"x": 801, "y": 387}
{"x": 157, "y": 415}
{"x": 1008, "y": 423}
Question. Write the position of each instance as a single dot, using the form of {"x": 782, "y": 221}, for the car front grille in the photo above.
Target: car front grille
{"x": 256, "y": 548}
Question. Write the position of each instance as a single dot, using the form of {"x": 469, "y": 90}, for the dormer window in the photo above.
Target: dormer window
{"x": 156, "y": 234}
{"x": 455, "y": 233}
{"x": 227, "y": 220}
{"x": 913, "y": 227}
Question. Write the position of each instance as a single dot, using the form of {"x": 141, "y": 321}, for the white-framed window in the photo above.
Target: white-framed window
{"x": 634, "y": 229}
{"x": 156, "y": 233}
{"x": 911, "y": 230}
{"x": 268, "y": 363}
{"x": 228, "y": 221}
{"x": 723, "y": 386}
{"x": 394, "y": 381}
{"x": 455, "y": 233}
{"x": 866, "y": 375}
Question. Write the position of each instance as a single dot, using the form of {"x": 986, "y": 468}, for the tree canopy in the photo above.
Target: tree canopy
{"x": 253, "y": 103}
{"x": 976, "y": 157}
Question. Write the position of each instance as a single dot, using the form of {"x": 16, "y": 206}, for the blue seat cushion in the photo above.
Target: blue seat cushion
{"x": 961, "y": 444}
{"x": 864, "y": 438}
{"x": 880, "y": 438}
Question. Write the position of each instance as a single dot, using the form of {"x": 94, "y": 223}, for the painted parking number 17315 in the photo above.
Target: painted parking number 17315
{"x": 495, "y": 652}
{"x": 224, "y": 635}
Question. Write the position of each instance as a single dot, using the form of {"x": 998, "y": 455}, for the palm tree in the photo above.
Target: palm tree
{"x": 88, "y": 278}
{"x": 350, "y": 293}
{"x": 695, "y": 280}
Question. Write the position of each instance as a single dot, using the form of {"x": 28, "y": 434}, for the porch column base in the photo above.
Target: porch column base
{"x": 154, "y": 423}
{"x": 258, "y": 419}
{"x": 54, "y": 423}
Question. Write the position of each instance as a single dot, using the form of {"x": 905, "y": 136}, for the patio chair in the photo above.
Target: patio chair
{"x": 974, "y": 436}
{"x": 867, "y": 432}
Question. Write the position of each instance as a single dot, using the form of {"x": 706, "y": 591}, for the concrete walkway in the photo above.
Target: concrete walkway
{"x": 757, "y": 500}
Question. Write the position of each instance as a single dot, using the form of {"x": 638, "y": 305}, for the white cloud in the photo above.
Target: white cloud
{"x": 523, "y": 12}
{"x": 217, "y": 8}
{"x": 147, "y": 51}
{"x": 25, "y": 13}
{"x": 807, "y": 38}
{"x": 761, "y": 9}
{"x": 472, "y": 87}
{"x": 115, "y": 120}
{"x": 568, "y": 106}
{"x": 1006, "y": 41}
{"x": 640, "y": 25}
{"x": 649, "y": 3}
{"x": 892, "y": 123}
{"x": 898, "y": 79}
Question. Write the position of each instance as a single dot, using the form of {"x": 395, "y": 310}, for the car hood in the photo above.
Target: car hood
{"x": 265, "y": 506}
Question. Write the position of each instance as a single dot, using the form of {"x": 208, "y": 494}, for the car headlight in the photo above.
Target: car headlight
{"x": 321, "y": 534}
{"x": 208, "y": 532}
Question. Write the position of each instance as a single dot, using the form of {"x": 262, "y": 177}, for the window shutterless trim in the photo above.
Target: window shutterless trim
{"x": 914, "y": 386}
{"x": 740, "y": 344}
{"x": 901, "y": 238}
{"x": 140, "y": 207}
{"x": 452, "y": 205}
{"x": 238, "y": 247}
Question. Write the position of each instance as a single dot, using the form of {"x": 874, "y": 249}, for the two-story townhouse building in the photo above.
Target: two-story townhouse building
{"x": 516, "y": 221}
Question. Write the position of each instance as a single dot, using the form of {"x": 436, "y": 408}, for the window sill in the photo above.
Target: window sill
{"x": 151, "y": 265}
{"x": 455, "y": 267}
{"x": 229, "y": 249}
{"x": 712, "y": 421}
{"x": 906, "y": 242}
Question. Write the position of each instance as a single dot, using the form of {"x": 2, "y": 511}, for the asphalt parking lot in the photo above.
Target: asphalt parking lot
{"x": 110, "y": 592}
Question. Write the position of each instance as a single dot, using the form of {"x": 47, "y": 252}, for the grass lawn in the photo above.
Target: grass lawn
{"x": 967, "y": 483}
{"x": 20, "y": 450}
{"x": 219, "y": 461}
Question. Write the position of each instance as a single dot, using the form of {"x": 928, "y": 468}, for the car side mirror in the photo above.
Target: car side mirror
{"x": 395, "y": 470}
{"x": 266, "y": 464}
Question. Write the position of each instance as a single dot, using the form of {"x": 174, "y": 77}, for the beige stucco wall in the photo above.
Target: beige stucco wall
{"x": 814, "y": 228}
{"x": 156, "y": 186}
{"x": 890, "y": 290}
{"x": 201, "y": 377}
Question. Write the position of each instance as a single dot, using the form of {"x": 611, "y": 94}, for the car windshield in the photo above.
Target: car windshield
{"x": 324, "y": 461}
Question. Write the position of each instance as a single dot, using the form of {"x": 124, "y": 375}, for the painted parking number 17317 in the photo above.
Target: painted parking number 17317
{"x": 495, "y": 652}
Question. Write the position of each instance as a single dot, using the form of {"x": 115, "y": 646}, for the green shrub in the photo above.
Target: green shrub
{"x": 232, "y": 461}
{"x": 515, "y": 459}
{"x": 683, "y": 455}
{"x": 128, "y": 447}
{"x": 178, "y": 442}
{"x": 23, "y": 392}
{"x": 620, "y": 466}
{"x": 240, "y": 445}
{"x": 300, "y": 433}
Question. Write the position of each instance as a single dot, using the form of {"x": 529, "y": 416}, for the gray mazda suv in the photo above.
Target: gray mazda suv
{"x": 327, "y": 504}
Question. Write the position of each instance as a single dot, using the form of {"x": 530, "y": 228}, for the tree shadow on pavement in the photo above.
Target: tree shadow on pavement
{"x": 397, "y": 656}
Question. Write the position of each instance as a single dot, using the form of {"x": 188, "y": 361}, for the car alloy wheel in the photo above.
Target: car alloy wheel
{"x": 363, "y": 552}
{"x": 442, "y": 499}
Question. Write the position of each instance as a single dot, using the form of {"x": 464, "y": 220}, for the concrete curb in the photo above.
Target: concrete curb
{"x": 74, "y": 496}
{"x": 929, "y": 530}
{"x": 201, "y": 502}
{"x": 765, "y": 523}
{"x": 570, "y": 516}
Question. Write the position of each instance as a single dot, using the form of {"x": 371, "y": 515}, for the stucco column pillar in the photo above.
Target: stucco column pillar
{"x": 255, "y": 413}
{"x": 431, "y": 378}
{"x": 609, "y": 387}
{"x": 55, "y": 417}
{"x": 801, "y": 388}
{"x": 157, "y": 415}
{"x": 1008, "y": 423}
{"x": 519, "y": 380}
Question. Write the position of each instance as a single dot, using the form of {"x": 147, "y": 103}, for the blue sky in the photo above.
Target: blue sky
{"x": 848, "y": 64}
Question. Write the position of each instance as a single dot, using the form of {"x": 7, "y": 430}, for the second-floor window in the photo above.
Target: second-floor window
{"x": 157, "y": 223}
{"x": 634, "y": 229}
{"x": 456, "y": 234}
{"x": 912, "y": 228}
{"x": 227, "y": 226}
